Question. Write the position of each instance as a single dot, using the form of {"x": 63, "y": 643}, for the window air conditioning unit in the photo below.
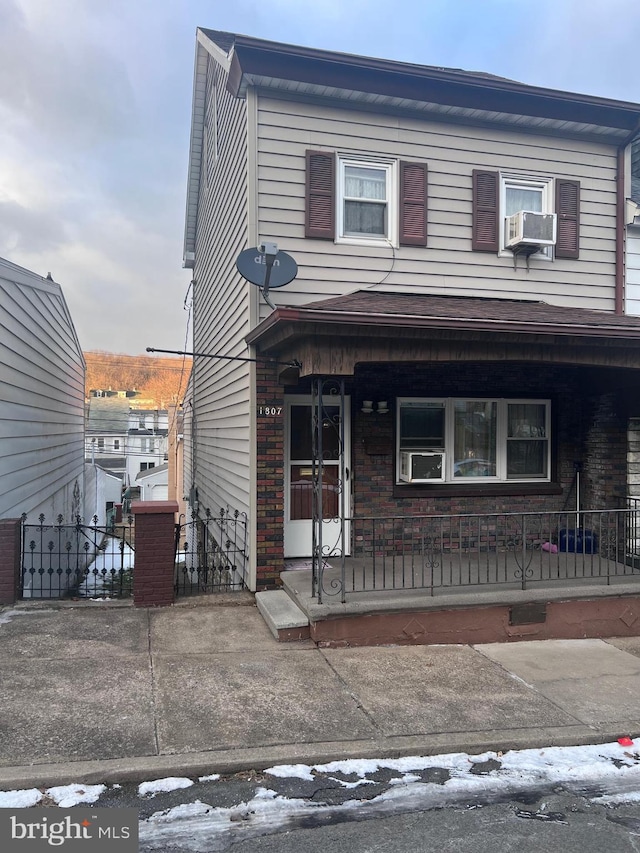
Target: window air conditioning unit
{"x": 526, "y": 228}
{"x": 422, "y": 466}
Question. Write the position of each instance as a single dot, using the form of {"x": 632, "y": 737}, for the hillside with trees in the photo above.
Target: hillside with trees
{"x": 158, "y": 380}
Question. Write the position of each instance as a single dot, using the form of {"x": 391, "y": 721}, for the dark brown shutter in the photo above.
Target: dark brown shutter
{"x": 320, "y": 192}
{"x": 568, "y": 212}
{"x": 413, "y": 204}
{"x": 485, "y": 212}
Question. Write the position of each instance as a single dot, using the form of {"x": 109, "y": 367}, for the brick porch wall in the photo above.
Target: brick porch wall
{"x": 270, "y": 478}
{"x": 584, "y": 429}
{"x": 606, "y": 457}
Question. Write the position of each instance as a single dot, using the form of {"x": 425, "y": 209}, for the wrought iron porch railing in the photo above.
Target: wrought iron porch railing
{"x": 211, "y": 553}
{"x": 455, "y": 553}
{"x": 77, "y": 560}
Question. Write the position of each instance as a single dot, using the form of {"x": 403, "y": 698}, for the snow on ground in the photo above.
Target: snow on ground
{"x": 100, "y": 572}
{"x": 170, "y": 783}
{"x": 65, "y": 796}
{"x": 608, "y": 774}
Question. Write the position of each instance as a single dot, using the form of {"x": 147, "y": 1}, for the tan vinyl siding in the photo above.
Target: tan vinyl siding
{"x": 286, "y": 129}
{"x": 221, "y": 391}
{"x": 42, "y": 399}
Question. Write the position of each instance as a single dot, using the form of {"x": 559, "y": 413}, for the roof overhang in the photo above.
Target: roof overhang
{"x": 307, "y": 71}
{"x": 333, "y": 340}
{"x": 445, "y": 94}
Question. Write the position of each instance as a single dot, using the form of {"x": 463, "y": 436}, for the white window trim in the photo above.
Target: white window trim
{"x": 548, "y": 206}
{"x": 501, "y": 437}
{"x": 391, "y": 168}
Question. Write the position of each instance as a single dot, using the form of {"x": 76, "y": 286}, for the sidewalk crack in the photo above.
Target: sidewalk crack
{"x": 355, "y": 698}
{"x": 154, "y": 715}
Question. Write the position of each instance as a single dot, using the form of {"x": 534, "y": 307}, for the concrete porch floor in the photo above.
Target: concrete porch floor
{"x": 568, "y": 607}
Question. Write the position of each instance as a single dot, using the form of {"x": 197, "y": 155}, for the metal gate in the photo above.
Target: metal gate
{"x": 211, "y": 553}
{"x": 77, "y": 560}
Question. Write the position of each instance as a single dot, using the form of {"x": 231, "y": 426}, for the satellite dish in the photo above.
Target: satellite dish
{"x": 266, "y": 267}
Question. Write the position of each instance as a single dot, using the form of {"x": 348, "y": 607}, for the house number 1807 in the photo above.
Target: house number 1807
{"x": 270, "y": 410}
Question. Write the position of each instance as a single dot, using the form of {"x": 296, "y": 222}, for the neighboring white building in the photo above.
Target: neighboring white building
{"x": 146, "y": 442}
{"x": 122, "y": 440}
{"x": 154, "y": 483}
{"x": 42, "y": 399}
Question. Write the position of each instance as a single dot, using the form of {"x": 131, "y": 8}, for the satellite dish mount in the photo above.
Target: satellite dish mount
{"x": 266, "y": 267}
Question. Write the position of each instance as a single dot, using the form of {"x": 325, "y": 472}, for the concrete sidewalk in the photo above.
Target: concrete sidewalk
{"x": 103, "y": 692}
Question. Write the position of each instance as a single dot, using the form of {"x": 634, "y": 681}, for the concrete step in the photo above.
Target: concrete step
{"x": 285, "y": 619}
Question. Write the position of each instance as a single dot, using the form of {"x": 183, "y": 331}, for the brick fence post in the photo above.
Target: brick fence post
{"x": 10, "y": 546}
{"x": 154, "y": 562}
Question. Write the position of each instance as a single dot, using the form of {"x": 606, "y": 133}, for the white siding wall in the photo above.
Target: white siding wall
{"x": 448, "y": 265}
{"x": 220, "y": 422}
{"x": 100, "y": 487}
{"x": 633, "y": 271}
{"x": 41, "y": 399}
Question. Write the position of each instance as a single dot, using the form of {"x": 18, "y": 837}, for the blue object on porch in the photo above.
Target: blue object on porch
{"x": 578, "y": 541}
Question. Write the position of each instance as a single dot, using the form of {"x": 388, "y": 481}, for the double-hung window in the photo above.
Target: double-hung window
{"x": 534, "y": 195}
{"x": 467, "y": 440}
{"x": 497, "y": 195}
{"x": 366, "y": 192}
{"x": 366, "y": 201}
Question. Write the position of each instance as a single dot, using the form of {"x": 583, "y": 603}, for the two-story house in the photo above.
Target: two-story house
{"x": 147, "y": 441}
{"x": 454, "y": 346}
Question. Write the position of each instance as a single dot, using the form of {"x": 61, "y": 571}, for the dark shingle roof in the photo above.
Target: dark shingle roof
{"x": 470, "y": 308}
{"x": 108, "y": 414}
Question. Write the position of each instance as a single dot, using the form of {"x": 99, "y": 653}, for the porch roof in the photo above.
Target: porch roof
{"x": 365, "y": 326}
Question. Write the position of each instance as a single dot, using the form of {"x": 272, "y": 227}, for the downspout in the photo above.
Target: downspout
{"x": 620, "y": 220}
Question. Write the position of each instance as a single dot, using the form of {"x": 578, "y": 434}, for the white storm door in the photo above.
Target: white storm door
{"x": 298, "y": 501}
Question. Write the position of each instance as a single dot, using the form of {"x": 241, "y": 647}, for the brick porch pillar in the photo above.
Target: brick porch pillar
{"x": 154, "y": 563}
{"x": 10, "y": 544}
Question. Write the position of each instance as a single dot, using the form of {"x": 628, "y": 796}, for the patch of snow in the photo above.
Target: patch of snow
{"x": 24, "y": 799}
{"x": 212, "y": 778}
{"x": 353, "y": 784}
{"x": 67, "y": 796}
{"x": 170, "y": 783}
{"x": 286, "y": 771}
{"x": 617, "y": 799}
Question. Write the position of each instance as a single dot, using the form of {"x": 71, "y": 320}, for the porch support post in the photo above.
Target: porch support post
{"x": 10, "y": 563}
{"x": 155, "y": 553}
{"x": 325, "y": 393}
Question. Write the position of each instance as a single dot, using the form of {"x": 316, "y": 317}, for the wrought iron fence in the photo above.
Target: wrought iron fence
{"x": 211, "y": 553}
{"x": 77, "y": 560}
{"x": 466, "y": 552}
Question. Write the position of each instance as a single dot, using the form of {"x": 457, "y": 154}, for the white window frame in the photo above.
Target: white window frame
{"x": 545, "y": 185}
{"x": 391, "y": 170}
{"x": 502, "y": 437}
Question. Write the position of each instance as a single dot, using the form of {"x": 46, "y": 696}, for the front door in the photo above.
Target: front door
{"x": 298, "y": 503}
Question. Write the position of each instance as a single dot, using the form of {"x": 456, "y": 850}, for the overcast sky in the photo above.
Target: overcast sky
{"x": 95, "y": 101}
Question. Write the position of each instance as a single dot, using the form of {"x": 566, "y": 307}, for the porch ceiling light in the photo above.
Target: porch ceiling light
{"x": 382, "y": 407}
